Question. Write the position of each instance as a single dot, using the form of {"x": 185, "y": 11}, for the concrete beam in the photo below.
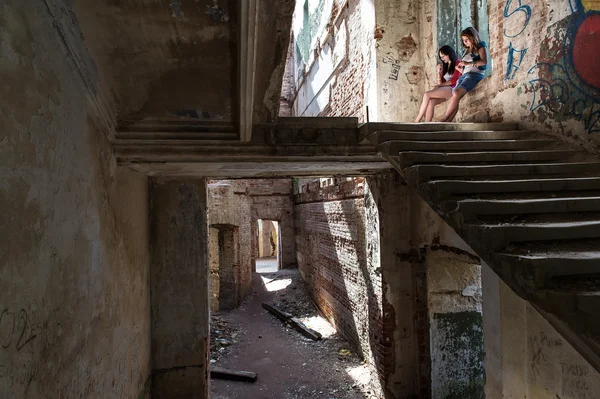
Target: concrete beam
{"x": 287, "y": 168}
{"x": 247, "y": 65}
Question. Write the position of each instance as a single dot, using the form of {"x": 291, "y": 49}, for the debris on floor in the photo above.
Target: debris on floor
{"x": 223, "y": 335}
{"x": 291, "y": 366}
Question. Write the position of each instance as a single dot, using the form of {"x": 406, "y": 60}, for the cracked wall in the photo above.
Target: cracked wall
{"x": 74, "y": 263}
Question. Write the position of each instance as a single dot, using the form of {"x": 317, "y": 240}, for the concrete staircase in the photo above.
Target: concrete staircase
{"x": 526, "y": 203}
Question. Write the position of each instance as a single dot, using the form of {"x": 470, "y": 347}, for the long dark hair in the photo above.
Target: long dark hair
{"x": 449, "y": 51}
{"x": 473, "y": 35}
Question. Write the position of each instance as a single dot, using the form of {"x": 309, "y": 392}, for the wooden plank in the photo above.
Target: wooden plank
{"x": 293, "y": 321}
{"x": 224, "y": 374}
{"x": 280, "y": 314}
{"x": 302, "y": 329}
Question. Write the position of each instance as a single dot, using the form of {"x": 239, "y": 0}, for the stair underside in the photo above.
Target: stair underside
{"x": 529, "y": 206}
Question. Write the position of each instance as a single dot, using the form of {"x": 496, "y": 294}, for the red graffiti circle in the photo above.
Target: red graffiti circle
{"x": 586, "y": 48}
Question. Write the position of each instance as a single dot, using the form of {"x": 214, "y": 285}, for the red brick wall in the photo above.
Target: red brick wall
{"x": 241, "y": 203}
{"x": 333, "y": 241}
{"x": 347, "y": 96}
{"x": 288, "y": 86}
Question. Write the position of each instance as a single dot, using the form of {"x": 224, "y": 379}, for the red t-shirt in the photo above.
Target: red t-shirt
{"x": 454, "y": 78}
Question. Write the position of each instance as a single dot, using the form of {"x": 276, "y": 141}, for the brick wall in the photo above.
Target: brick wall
{"x": 336, "y": 77}
{"x": 336, "y": 251}
{"x": 213, "y": 261}
{"x": 540, "y": 78}
{"x": 237, "y": 205}
{"x": 347, "y": 93}
{"x": 271, "y": 199}
{"x": 288, "y": 86}
{"x": 229, "y": 208}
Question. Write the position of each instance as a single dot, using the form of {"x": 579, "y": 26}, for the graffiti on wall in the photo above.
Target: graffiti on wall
{"x": 521, "y": 14}
{"x": 565, "y": 83}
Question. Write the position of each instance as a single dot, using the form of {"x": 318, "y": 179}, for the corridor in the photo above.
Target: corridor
{"x": 288, "y": 364}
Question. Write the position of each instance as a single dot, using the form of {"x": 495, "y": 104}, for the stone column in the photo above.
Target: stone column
{"x": 179, "y": 289}
{"x": 388, "y": 216}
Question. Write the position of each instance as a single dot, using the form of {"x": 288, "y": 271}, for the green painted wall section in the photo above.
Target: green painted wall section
{"x": 457, "y": 355}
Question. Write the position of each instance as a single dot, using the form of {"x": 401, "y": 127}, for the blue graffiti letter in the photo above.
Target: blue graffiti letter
{"x": 525, "y": 9}
{"x": 514, "y": 62}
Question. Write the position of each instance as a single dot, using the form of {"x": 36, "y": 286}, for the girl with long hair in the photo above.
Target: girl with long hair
{"x": 448, "y": 75}
{"x": 472, "y": 65}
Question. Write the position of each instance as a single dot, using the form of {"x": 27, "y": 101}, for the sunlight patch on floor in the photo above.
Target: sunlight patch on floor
{"x": 365, "y": 377}
{"x": 319, "y": 324}
{"x": 274, "y": 284}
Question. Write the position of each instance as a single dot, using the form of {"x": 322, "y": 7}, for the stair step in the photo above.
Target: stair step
{"x": 577, "y": 305}
{"x": 410, "y": 158}
{"x": 422, "y": 173}
{"x": 471, "y": 208}
{"x": 396, "y": 146}
{"x": 370, "y": 128}
{"x": 551, "y": 264}
{"x": 444, "y": 188}
{"x": 390, "y": 135}
{"x": 500, "y": 235}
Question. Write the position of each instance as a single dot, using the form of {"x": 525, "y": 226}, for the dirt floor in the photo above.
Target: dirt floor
{"x": 288, "y": 364}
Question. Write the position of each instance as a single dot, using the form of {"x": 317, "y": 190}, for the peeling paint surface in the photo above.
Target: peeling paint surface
{"x": 457, "y": 348}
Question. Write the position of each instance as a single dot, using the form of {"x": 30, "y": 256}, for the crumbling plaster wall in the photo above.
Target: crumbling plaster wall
{"x": 400, "y": 61}
{"x": 273, "y": 36}
{"x": 228, "y": 204}
{"x": 544, "y": 76}
{"x": 456, "y": 324}
{"x": 74, "y": 262}
{"x": 525, "y": 356}
{"x": 241, "y": 203}
{"x": 333, "y": 59}
{"x": 269, "y": 232}
{"x": 214, "y": 282}
{"x": 272, "y": 199}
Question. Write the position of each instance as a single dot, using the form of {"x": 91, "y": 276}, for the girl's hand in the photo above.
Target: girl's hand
{"x": 439, "y": 68}
{"x": 461, "y": 64}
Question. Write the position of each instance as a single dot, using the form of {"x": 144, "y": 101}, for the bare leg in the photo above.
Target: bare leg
{"x": 430, "y": 108}
{"x": 423, "y": 107}
{"x": 439, "y": 92}
{"x": 453, "y": 106}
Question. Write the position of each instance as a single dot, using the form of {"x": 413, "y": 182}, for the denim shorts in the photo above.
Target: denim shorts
{"x": 468, "y": 81}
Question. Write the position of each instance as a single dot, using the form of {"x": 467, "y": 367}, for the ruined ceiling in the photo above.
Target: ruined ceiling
{"x": 170, "y": 62}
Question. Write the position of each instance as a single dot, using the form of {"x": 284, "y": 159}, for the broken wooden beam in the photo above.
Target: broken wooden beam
{"x": 293, "y": 321}
{"x": 280, "y": 314}
{"x": 302, "y": 329}
{"x": 224, "y": 374}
